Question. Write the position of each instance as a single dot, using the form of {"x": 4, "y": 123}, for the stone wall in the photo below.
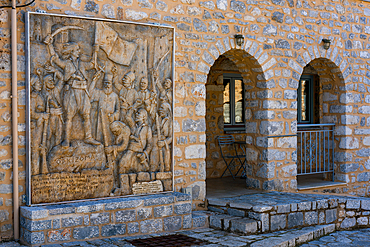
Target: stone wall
{"x": 107, "y": 218}
{"x": 281, "y": 37}
{"x": 290, "y": 211}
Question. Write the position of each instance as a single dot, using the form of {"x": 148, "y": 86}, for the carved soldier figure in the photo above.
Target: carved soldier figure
{"x": 37, "y": 31}
{"x": 165, "y": 89}
{"x": 127, "y": 96}
{"x": 122, "y": 135}
{"x": 38, "y": 117}
{"x": 165, "y": 136}
{"x": 52, "y": 92}
{"x": 146, "y": 99}
{"x": 108, "y": 106}
{"x": 136, "y": 158}
{"x": 76, "y": 98}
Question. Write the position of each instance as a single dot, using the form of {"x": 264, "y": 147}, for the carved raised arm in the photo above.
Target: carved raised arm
{"x": 94, "y": 80}
{"x": 49, "y": 42}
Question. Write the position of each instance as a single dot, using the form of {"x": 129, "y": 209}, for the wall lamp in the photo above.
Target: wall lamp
{"x": 239, "y": 39}
{"x": 326, "y": 43}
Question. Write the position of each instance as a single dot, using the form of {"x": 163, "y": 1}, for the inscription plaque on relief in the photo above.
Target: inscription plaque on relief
{"x": 100, "y": 108}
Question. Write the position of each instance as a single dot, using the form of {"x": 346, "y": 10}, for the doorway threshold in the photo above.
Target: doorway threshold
{"x": 316, "y": 182}
{"x": 227, "y": 187}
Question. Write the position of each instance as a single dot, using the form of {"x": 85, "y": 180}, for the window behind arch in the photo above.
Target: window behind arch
{"x": 305, "y": 99}
{"x": 308, "y": 100}
{"x": 233, "y": 102}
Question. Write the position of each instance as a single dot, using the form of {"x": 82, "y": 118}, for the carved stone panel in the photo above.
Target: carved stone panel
{"x": 100, "y": 108}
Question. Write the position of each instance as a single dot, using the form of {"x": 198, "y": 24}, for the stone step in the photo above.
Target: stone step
{"x": 234, "y": 224}
{"x": 293, "y": 237}
{"x": 200, "y": 219}
{"x": 281, "y": 210}
{"x": 225, "y": 206}
{"x": 331, "y": 187}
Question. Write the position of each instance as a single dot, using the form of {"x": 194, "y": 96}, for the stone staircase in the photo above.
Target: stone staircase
{"x": 234, "y": 224}
{"x": 276, "y": 211}
{"x": 234, "y": 217}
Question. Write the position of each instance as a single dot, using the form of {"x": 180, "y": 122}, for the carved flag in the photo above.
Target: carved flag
{"x": 118, "y": 50}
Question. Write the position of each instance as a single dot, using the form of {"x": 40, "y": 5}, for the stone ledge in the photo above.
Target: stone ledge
{"x": 55, "y": 224}
{"x": 281, "y": 211}
{"x": 41, "y": 212}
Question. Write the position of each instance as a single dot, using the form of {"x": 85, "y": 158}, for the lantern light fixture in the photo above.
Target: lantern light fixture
{"x": 239, "y": 39}
{"x": 326, "y": 43}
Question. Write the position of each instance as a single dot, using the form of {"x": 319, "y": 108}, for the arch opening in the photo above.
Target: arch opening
{"x": 324, "y": 107}
{"x": 236, "y": 82}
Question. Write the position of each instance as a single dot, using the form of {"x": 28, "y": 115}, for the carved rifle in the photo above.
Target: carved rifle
{"x": 161, "y": 60}
{"x": 64, "y": 29}
{"x": 155, "y": 68}
{"x": 44, "y": 167}
{"x": 161, "y": 162}
{"x": 106, "y": 144}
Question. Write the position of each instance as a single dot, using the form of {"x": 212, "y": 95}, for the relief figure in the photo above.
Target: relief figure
{"x": 127, "y": 96}
{"x": 165, "y": 89}
{"x": 136, "y": 157}
{"x": 146, "y": 99}
{"x": 164, "y": 138}
{"x": 122, "y": 135}
{"x": 108, "y": 107}
{"x": 38, "y": 118}
{"x": 53, "y": 85}
{"x": 76, "y": 97}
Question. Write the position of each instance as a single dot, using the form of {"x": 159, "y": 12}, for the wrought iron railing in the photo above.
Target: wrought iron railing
{"x": 315, "y": 148}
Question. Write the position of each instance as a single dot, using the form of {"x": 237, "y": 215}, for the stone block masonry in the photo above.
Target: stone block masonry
{"x": 149, "y": 214}
{"x": 282, "y": 36}
{"x": 276, "y": 211}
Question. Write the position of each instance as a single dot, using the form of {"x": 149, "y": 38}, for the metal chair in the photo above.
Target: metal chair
{"x": 229, "y": 142}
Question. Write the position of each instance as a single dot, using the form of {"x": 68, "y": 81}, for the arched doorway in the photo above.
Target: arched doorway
{"x": 234, "y": 108}
{"x": 323, "y": 103}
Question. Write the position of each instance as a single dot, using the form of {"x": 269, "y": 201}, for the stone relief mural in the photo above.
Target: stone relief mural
{"x": 100, "y": 108}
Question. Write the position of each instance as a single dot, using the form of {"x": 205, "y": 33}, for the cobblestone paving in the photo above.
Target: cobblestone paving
{"x": 356, "y": 238}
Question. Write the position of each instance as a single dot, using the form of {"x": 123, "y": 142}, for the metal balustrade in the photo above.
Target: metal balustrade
{"x": 315, "y": 148}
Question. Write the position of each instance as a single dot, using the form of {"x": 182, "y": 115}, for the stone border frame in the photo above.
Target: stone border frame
{"x": 28, "y": 100}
